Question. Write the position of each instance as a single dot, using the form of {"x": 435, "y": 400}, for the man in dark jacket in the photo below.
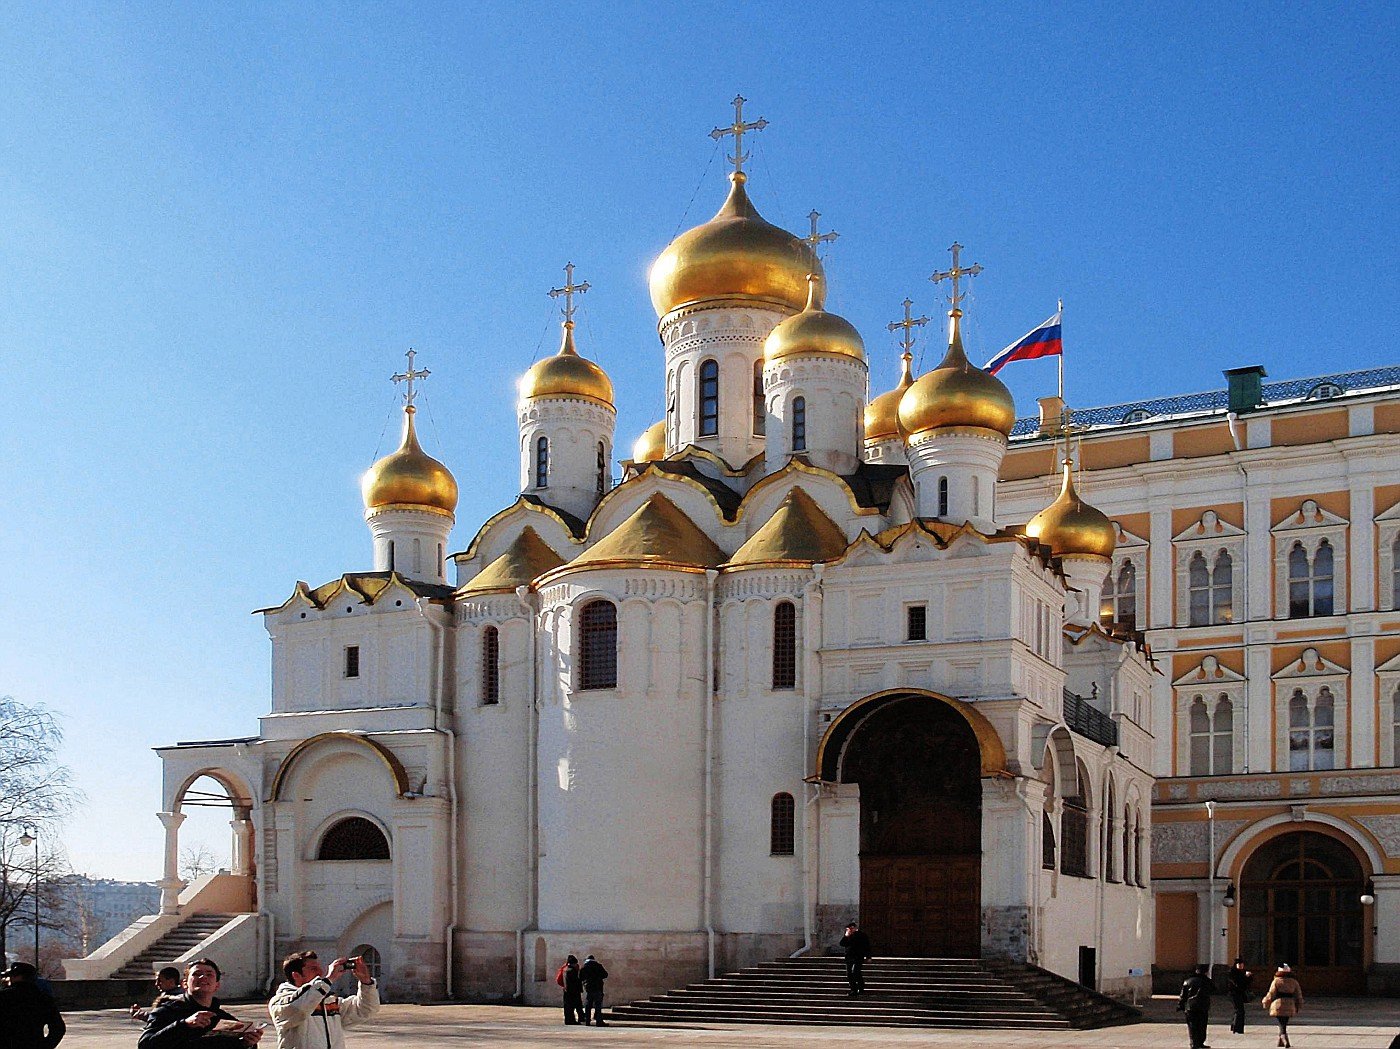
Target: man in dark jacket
{"x": 573, "y": 992}
{"x": 857, "y": 946}
{"x": 592, "y": 974}
{"x": 28, "y": 1017}
{"x": 186, "y": 1019}
{"x": 1195, "y": 1003}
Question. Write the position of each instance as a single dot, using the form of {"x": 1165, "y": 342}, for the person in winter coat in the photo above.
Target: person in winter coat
{"x": 190, "y": 1019}
{"x": 305, "y": 1012}
{"x": 1195, "y": 1003}
{"x": 857, "y": 948}
{"x": 592, "y": 974}
{"x": 29, "y": 1018}
{"x": 1237, "y": 986}
{"x": 572, "y": 983}
{"x": 1284, "y": 1000}
{"x": 167, "y": 986}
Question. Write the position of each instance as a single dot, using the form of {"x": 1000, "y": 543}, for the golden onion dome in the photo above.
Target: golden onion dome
{"x": 736, "y": 255}
{"x": 814, "y": 333}
{"x": 882, "y": 414}
{"x": 957, "y": 393}
{"x": 409, "y": 477}
{"x": 566, "y": 374}
{"x": 651, "y": 445}
{"x": 1070, "y": 526}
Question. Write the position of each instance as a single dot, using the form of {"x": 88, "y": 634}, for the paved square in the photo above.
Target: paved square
{"x": 1336, "y": 1023}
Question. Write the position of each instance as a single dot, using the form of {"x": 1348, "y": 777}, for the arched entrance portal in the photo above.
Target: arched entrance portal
{"x": 1300, "y": 902}
{"x": 918, "y": 764}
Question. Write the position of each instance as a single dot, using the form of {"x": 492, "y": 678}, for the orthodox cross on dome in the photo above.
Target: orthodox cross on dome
{"x": 909, "y": 323}
{"x": 408, "y": 377}
{"x": 568, "y": 291}
{"x": 956, "y": 272}
{"x": 737, "y": 129}
{"x": 815, "y": 239}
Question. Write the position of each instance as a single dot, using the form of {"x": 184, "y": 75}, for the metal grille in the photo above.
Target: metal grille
{"x": 785, "y": 645}
{"x": 918, "y": 623}
{"x": 782, "y": 835}
{"x": 598, "y": 645}
{"x": 490, "y": 666}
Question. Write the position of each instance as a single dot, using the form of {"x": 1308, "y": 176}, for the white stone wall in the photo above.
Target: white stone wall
{"x": 833, "y": 391}
{"x": 574, "y": 429}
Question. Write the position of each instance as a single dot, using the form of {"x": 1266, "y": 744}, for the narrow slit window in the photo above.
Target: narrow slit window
{"x": 760, "y": 409}
{"x": 490, "y": 666}
{"x": 784, "y": 645}
{"x": 352, "y": 660}
{"x": 782, "y": 825}
{"x": 598, "y": 645}
{"x": 799, "y": 424}
{"x": 542, "y": 463}
{"x": 602, "y": 468}
{"x": 916, "y": 623}
{"x": 709, "y": 399}
{"x": 943, "y": 497}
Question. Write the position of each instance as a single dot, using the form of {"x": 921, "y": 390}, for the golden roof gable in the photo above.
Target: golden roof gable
{"x": 657, "y": 533}
{"x": 798, "y": 532}
{"x": 525, "y": 560}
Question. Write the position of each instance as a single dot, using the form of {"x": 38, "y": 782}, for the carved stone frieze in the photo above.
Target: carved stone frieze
{"x": 1190, "y": 842}
{"x": 1360, "y": 785}
{"x": 1386, "y": 830}
{"x": 1246, "y": 788}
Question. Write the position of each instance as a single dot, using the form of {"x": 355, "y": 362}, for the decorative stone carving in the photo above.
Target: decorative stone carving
{"x": 1230, "y": 790}
{"x": 1190, "y": 842}
{"x": 1386, "y": 830}
{"x": 1359, "y": 785}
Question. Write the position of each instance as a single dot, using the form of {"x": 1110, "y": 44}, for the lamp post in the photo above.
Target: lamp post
{"x": 1210, "y": 906}
{"x": 31, "y": 837}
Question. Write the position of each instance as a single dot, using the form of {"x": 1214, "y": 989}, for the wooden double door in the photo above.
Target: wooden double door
{"x": 922, "y": 906}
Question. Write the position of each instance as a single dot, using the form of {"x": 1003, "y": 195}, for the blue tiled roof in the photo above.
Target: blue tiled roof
{"x": 1217, "y": 400}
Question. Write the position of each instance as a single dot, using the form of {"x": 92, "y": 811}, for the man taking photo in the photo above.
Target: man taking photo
{"x": 305, "y": 1012}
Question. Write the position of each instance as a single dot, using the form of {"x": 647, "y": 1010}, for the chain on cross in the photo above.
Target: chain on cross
{"x": 816, "y": 239}
{"x": 909, "y": 323}
{"x": 569, "y": 290}
{"x": 955, "y": 273}
{"x": 737, "y": 129}
{"x": 409, "y": 377}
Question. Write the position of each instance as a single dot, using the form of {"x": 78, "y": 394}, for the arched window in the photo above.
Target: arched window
{"x": 799, "y": 424}
{"x": 1129, "y": 874}
{"x": 760, "y": 409}
{"x": 1322, "y": 580}
{"x": 602, "y": 468}
{"x": 709, "y": 399}
{"x": 784, "y": 645}
{"x": 943, "y": 497}
{"x": 782, "y": 825}
{"x": 598, "y": 645}
{"x": 1310, "y": 584}
{"x": 490, "y": 666}
{"x": 1137, "y": 850}
{"x": 1074, "y": 829}
{"x": 1324, "y": 741}
{"x": 1110, "y": 846}
{"x": 1395, "y": 574}
{"x": 1222, "y": 578}
{"x": 1198, "y": 583}
{"x": 1212, "y": 736}
{"x": 1299, "y": 596}
{"x": 1311, "y": 732}
{"x": 374, "y": 961}
{"x": 976, "y": 496}
{"x": 353, "y": 838}
{"x": 1047, "y": 841}
{"x": 391, "y": 555}
{"x": 1395, "y": 727}
{"x": 542, "y": 463}
{"x": 1119, "y": 603}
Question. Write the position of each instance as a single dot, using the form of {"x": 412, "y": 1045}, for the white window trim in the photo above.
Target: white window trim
{"x": 1311, "y": 673}
{"x": 1310, "y": 525}
{"x": 1208, "y": 536}
{"x": 1209, "y": 680}
{"x": 1388, "y": 682}
{"x": 1387, "y": 530}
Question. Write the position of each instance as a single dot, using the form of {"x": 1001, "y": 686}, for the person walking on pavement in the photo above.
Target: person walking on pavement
{"x": 1195, "y": 1003}
{"x": 1284, "y": 1000}
{"x": 857, "y": 946}
{"x": 29, "y": 1019}
{"x": 569, "y": 979}
{"x": 592, "y": 974}
{"x": 1237, "y": 987}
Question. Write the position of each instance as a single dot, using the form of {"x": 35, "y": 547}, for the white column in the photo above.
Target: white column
{"x": 1258, "y": 708}
{"x": 1361, "y": 705}
{"x": 242, "y": 851}
{"x": 1361, "y": 567}
{"x": 170, "y": 885}
{"x": 1159, "y": 568}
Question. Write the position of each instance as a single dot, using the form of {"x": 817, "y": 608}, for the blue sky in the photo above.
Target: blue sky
{"x": 224, "y": 224}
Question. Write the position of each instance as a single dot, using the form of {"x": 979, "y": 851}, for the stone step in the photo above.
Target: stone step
{"x": 189, "y": 934}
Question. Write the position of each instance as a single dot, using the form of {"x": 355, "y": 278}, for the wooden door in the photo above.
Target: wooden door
{"x": 921, "y": 906}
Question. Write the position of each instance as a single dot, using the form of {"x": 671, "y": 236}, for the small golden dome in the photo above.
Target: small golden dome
{"x": 651, "y": 445}
{"x": 736, "y": 255}
{"x": 1070, "y": 526}
{"x": 956, "y": 393}
{"x": 409, "y": 477}
{"x": 814, "y": 333}
{"x": 882, "y": 414}
{"x": 566, "y": 374}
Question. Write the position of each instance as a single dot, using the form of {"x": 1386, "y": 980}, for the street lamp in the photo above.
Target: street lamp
{"x": 28, "y": 838}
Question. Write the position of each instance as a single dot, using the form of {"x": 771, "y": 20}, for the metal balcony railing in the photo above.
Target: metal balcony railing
{"x": 1089, "y": 721}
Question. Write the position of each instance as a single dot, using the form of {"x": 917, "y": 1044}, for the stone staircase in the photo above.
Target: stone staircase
{"x": 901, "y": 992}
{"x": 189, "y": 934}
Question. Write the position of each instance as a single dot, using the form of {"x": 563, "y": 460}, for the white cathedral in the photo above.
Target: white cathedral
{"x": 794, "y": 669}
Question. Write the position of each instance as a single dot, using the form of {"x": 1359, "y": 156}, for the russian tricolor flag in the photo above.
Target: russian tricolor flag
{"x": 1042, "y": 341}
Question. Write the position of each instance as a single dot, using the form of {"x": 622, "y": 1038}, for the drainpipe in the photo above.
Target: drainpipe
{"x": 528, "y": 600}
{"x": 1232, "y": 419}
{"x": 439, "y": 688}
{"x": 709, "y": 693}
{"x": 1210, "y": 906}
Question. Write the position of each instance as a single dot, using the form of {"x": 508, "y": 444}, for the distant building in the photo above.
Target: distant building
{"x": 102, "y": 907}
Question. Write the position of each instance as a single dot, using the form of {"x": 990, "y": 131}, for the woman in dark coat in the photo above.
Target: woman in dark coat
{"x": 1237, "y": 986}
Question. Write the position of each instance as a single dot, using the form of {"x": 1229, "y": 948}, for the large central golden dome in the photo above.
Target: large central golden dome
{"x": 736, "y": 255}
{"x": 955, "y": 394}
{"x": 409, "y": 477}
{"x": 566, "y": 374}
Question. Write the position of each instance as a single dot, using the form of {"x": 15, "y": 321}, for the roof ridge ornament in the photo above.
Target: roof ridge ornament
{"x": 738, "y": 129}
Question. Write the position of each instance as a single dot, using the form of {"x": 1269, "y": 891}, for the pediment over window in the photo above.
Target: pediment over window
{"x": 1390, "y": 666}
{"x": 1125, "y": 539}
{"x": 1209, "y": 527}
{"x": 1393, "y": 514}
{"x": 1310, "y": 664}
{"x": 1208, "y": 674}
{"x": 1309, "y": 515}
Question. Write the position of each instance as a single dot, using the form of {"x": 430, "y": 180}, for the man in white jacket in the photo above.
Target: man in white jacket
{"x": 305, "y": 1012}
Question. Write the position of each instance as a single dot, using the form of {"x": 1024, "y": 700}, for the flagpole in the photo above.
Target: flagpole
{"x": 1061, "y": 358}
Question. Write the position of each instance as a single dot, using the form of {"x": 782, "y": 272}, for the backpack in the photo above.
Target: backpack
{"x": 559, "y": 976}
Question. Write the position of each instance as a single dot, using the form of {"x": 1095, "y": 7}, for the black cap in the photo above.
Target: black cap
{"x": 23, "y": 970}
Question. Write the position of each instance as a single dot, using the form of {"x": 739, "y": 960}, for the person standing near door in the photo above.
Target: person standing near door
{"x": 592, "y": 974}
{"x": 1195, "y": 1003}
{"x": 857, "y": 947}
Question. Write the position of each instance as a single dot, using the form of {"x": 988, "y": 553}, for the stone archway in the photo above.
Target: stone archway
{"x": 918, "y": 763}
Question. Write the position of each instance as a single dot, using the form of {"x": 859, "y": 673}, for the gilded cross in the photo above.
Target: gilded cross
{"x": 568, "y": 291}
{"x": 737, "y": 129}
{"x": 409, "y": 376}
{"x": 956, "y": 272}
{"x": 815, "y": 239}
{"x": 909, "y": 323}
